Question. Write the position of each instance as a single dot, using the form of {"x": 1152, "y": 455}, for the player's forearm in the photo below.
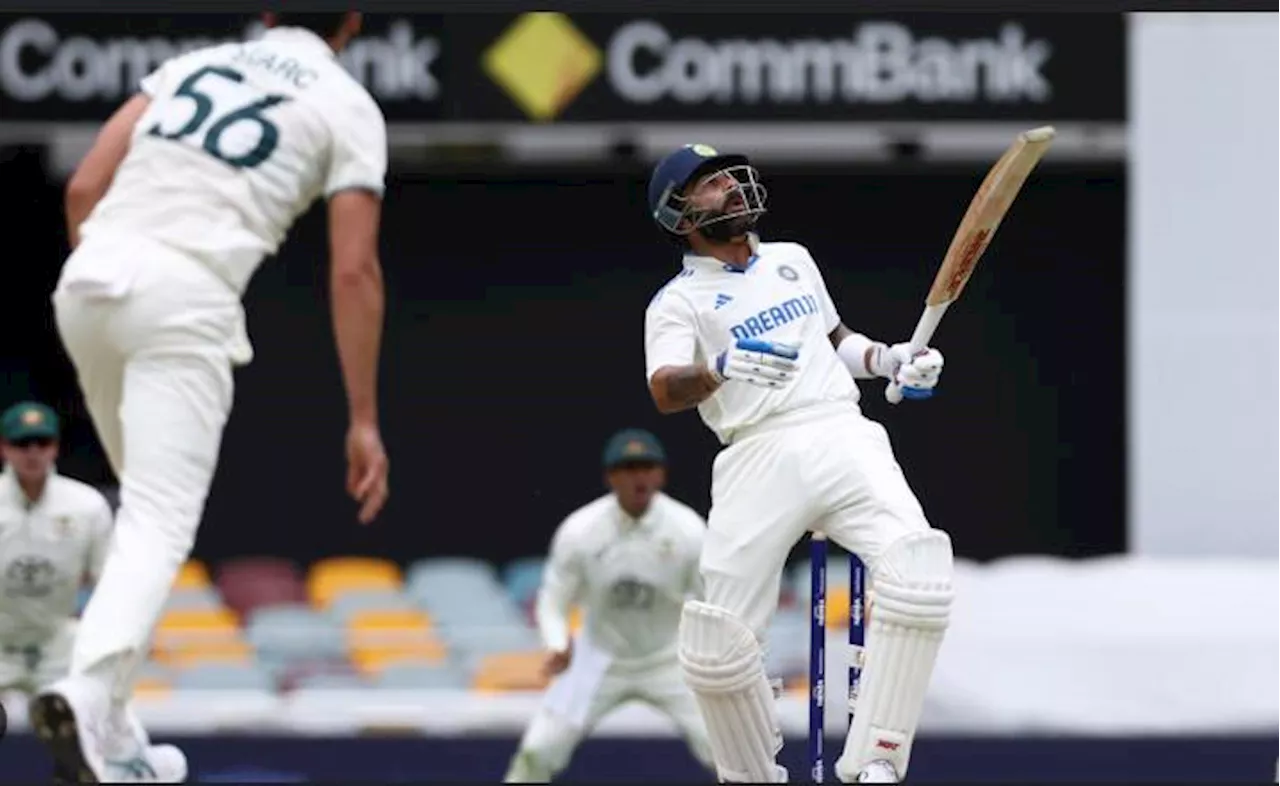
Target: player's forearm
{"x": 79, "y": 203}
{"x": 677, "y": 388}
{"x": 552, "y": 615}
{"x": 358, "y": 304}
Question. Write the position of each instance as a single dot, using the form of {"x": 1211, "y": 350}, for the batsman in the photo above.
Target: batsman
{"x": 747, "y": 333}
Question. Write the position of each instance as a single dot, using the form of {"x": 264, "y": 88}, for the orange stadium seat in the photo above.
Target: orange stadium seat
{"x": 153, "y": 680}
{"x": 192, "y": 575}
{"x": 231, "y": 651}
{"x": 510, "y": 671}
{"x": 373, "y": 659}
{"x": 331, "y": 577}
{"x": 184, "y": 635}
{"x": 379, "y": 637}
{"x": 838, "y": 607}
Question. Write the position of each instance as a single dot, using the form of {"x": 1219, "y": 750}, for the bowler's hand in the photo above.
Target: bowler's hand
{"x": 367, "y": 469}
{"x": 557, "y": 662}
{"x": 913, "y": 375}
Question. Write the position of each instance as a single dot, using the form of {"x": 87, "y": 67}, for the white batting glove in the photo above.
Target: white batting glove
{"x": 912, "y": 376}
{"x": 766, "y": 364}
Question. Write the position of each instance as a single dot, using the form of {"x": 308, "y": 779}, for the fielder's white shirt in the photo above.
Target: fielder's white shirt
{"x": 780, "y": 296}
{"x": 630, "y": 577}
{"x": 238, "y": 141}
{"x": 48, "y": 550}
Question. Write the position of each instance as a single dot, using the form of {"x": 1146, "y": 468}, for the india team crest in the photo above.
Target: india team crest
{"x": 634, "y": 448}
{"x": 32, "y": 417}
{"x": 666, "y": 548}
{"x": 706, "y": 151}
{"x": 62, "y": 526}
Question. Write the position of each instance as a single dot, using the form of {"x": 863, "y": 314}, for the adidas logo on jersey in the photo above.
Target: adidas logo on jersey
{"x": 722, "y": 300}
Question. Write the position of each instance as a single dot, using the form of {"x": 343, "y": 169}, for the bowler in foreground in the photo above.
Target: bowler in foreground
{"x": 186, "y": 189}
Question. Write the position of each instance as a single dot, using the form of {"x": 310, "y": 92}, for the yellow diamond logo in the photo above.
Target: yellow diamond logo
{"x": 543, "y": 62}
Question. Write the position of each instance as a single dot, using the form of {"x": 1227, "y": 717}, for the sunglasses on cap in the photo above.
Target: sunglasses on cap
{"x": 32, "y": 442}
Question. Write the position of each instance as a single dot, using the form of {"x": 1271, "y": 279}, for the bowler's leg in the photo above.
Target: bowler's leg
{"x": 878, "y": 517}
{"x": 174, "y": 408}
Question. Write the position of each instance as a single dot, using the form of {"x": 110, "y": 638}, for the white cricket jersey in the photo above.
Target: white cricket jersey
{"x": 47, "y": 552}
{"x": 630, "y": 577}
{"x": 780, "y": 296}
{"x": 238, "y": 141}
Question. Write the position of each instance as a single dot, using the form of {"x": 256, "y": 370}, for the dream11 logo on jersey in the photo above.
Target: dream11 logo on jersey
{"x": 42, "y": 62}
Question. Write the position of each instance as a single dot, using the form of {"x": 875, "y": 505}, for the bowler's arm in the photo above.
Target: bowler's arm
{"x": 358, "y": 296}
{"x": 92, "y": 178}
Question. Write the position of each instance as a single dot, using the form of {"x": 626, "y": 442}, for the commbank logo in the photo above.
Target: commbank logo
{"x": 542, "y": 62}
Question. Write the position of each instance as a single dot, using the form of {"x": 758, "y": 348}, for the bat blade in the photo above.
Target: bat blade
{"x": 985, "y": 212}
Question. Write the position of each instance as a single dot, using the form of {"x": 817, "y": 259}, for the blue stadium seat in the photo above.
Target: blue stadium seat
{"x": 414, "y": 676}
{"x": 467, "y": 609}
{"x": 224, "y": 676}
{"x": 194, "y": 598}
{"x": 472, "y": 641}
{"x": 468, "y": 569}
{"x": 522, "y": 577}
{"x": 293, "y": 633}
{"x": 328, "y": 680}
{"x": 351, "y": 603}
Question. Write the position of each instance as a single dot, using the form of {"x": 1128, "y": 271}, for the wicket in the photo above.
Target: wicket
{"x": 818, "y": 645}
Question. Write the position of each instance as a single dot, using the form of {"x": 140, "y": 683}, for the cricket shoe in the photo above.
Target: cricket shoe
{"x": 154, "y": 764}
{"x": 878, "y": 771}
{"x": 70, "y": 717}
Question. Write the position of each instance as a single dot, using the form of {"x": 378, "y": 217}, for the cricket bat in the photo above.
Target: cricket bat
{"x": 986, "y": 210}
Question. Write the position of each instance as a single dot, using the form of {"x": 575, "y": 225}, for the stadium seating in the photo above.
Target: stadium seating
{"x": 354, "y": 622}
{"x": 335, "y": 576}
{"x": 224, "y": 676}
{"x": 193, "y": 575}
{"x": 250, "y": 583}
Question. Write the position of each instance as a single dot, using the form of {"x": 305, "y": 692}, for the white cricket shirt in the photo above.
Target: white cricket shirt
{"x": 239, "y": 140}
{"x": 630, "y": 577}
{"x": 47, "y": 552}
{"x": 780, "y": 296}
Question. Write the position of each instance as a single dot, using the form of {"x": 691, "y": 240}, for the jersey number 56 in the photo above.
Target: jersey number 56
{"x": 211, "y": 124}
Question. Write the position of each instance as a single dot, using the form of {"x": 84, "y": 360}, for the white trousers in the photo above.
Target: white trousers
{"x": 153, "y": 336}
{"x": 824, "y": 469}
{"x": 551, "y": 738}
{"x": 30, "y": 667}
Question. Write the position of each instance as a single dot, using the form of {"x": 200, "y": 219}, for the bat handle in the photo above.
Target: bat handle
{"x": 925, "y": 327}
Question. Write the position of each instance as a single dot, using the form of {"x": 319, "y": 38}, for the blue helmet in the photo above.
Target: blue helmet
{"x": 732, "y": 217}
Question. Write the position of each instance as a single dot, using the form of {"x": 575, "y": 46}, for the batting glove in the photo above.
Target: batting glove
{"x": 912, "y": 376}
{"x": 765, "y": 364}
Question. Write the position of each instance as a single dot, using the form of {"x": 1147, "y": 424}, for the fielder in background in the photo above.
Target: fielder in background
{"x": 53, "y": 539}
{"x": 748, "y": 334}
{"x": 628, "y": 560}
{"x": 189, "y": 185}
